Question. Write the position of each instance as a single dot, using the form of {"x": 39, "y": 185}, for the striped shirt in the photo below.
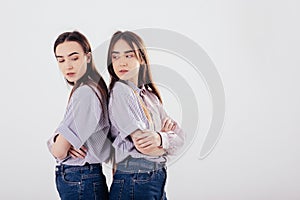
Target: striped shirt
{"x": 127, "y": 115}
{"x": 85, "y": 123}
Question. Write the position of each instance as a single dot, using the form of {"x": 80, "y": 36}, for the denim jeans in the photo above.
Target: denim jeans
{"x": 81, "y": 182}
{"x": 138, "y": 179}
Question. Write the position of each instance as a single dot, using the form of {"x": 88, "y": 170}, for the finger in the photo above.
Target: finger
{"x": 142, "y": 141}
{"x": 170, "y": 126}
{"x": 151, "y": 136}
{"x": 149, "y": 147}
{"x": 140, "y": 137}
{"x": 168, "y": 121}
{"x": 173, "y": 127}
{"x": 72, "y": 155}
{"x": 83, "y": 148}
{"x": 145, "y": 144}
{"x": 153, "y": 140}
{"x": 166, "y": 125}
{"x": 80, "y": 152}
{"x": 164, "y": 122}
{"x": 75, "y": 154}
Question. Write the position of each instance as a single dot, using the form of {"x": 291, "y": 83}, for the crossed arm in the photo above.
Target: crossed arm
{"x": 80, "y": 118}
{"x": 150, "y": 142}
{"x": 145, "y": 141}
{"x": 61, "y": 148}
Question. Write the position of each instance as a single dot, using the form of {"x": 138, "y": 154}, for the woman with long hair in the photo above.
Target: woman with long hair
{"x": 80, "y": 142}
{"x": 144, "y": 136}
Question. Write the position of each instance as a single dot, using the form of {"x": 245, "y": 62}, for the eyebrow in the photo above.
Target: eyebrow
{"x": 71, "y": 54}
{"x": 117, "y": 52}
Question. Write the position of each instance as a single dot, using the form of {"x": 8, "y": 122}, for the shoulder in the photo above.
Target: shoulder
{"x": 121, "y": 89}
{"x": 84, "y": 92}
{"x": 122, "y": 94}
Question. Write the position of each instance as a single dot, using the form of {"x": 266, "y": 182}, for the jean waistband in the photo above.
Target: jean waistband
{"x": 86, "y": 166}
{"x": 135, "y": 165}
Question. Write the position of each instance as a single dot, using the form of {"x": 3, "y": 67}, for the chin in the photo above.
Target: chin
{"x": 70, "y": 80}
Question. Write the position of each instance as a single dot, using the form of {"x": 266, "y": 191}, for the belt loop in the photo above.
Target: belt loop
{"x": 156, "y": 166}
{"x": 61, "y": 167}
{"x": 127, "y": 162}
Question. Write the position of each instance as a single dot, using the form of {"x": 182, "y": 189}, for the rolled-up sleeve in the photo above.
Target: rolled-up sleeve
{"x": 50, "y": 142}
{"x": 125, "y": 115}
{"x": 82, "y": 116}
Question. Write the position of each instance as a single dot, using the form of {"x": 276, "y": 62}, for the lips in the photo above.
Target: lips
{"x": 123, "y": 70}
{"x": 70, "y": 74}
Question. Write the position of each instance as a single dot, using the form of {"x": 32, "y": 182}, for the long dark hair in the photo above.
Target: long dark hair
{"x": 91, "y": 76}
{"x": 145, "y": 76}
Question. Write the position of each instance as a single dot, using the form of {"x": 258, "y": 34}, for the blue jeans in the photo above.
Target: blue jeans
{"x": 81, "y": 182}
{"x": 138, "y": 178}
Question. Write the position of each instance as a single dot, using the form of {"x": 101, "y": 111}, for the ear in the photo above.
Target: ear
{"x": 89, "y": 57}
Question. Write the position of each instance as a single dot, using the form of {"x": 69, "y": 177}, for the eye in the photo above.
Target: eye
{"x": 115, "y": 57}
{"x": 60, "y": 60}
{"x": 75, "y": 58}
{"x": 130, "y": 55}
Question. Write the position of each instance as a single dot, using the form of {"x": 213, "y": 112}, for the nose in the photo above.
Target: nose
{"x": 68, "y": 65}
{"x": 122, "y": 61}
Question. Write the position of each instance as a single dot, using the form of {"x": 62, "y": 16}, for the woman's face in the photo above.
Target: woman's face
{"x": 72, "y": 60}
{"x": 125, "y": 63}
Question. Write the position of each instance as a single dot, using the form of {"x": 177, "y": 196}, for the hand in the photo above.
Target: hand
{"x": 78, "y": 153}
{"x": 146, "y": 139}
{"x": 148, "y": 142}
{"x": 168, "y": 125}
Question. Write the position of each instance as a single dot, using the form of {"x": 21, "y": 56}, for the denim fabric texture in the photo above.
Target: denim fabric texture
{"x": 139, "y": 179}
{"x": 81, "y": 182}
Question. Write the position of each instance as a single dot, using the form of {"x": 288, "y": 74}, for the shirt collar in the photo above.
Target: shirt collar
{"x": 135, "y": 88}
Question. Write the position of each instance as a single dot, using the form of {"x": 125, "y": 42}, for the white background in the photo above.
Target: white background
{"x": 254, "y": 45}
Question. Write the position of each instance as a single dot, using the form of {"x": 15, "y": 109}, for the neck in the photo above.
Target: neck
{"x": 134, "y": 81}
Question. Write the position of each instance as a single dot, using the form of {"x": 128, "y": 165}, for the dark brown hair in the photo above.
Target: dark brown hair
{"x": 144, "y": 77}
{"x": 91, "y": 76}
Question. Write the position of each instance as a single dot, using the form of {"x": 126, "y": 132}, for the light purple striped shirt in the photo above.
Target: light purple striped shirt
{"x": 127, "y": 115}
{"x": 85, "y": 123}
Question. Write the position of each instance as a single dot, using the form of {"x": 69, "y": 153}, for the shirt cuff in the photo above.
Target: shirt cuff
{"x": 50, "y": 142}
{"x": 124, "y": 132}
{"x": 165, "y": 139}
{"x": 70, "y": 136}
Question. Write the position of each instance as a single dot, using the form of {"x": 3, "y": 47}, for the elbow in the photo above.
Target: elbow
{"x": 58, "y": 153}
{"x": 182, "y": 139}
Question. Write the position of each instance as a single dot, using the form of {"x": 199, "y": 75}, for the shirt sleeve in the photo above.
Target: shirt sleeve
{"x": 125, "y": 115}
{"x": 172, "y": 141}
{"x": 50, "y": 142}
{"x": 82, "y": 116}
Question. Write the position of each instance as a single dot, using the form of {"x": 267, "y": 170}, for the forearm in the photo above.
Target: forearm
{"x": 60, "y": 147}
{"x": 147, "y": 142}
{"x": 156, "y": 151}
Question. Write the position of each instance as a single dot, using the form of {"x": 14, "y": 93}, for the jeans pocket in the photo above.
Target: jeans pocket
{"x": 148, "y": 186}
{"x": 71, "y": 178}
{"x": 144, "y": 177}
{"x": 67, "y": 189}
{"x": 116, "y": 190}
